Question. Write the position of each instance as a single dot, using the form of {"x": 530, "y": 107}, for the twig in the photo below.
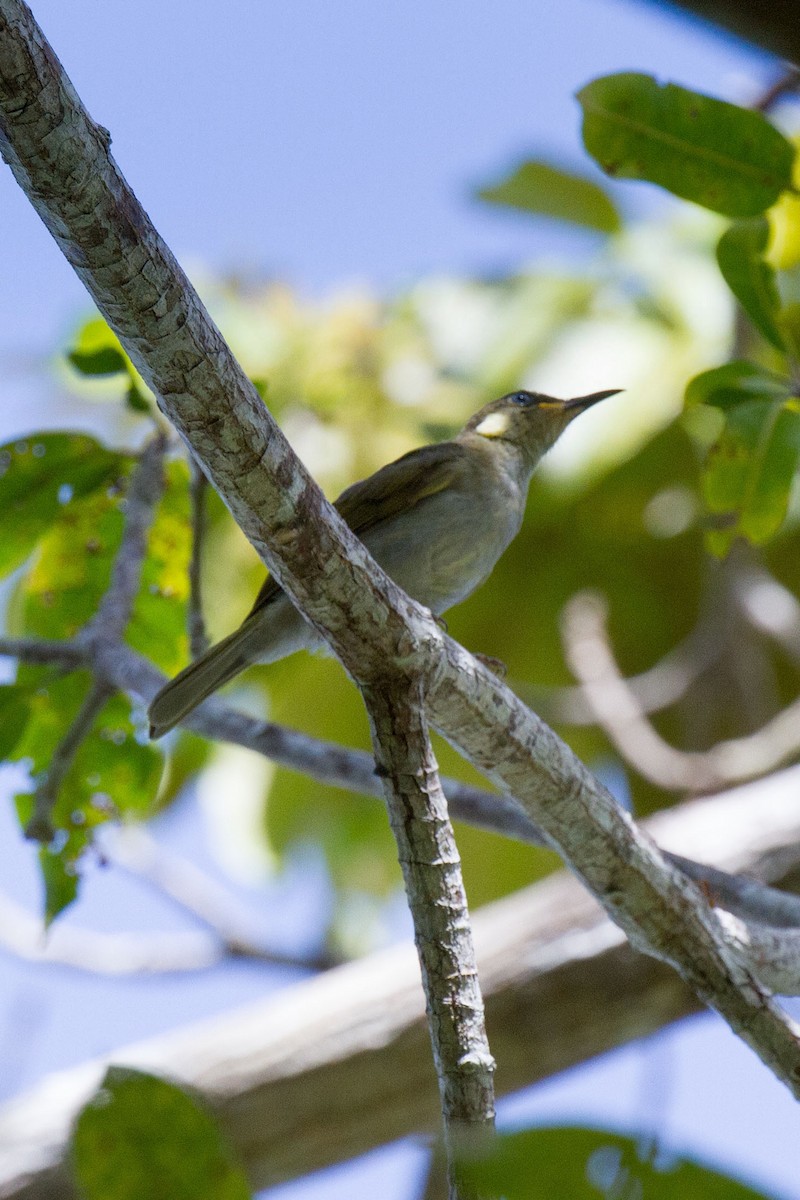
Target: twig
{"x": 43, "y": 653}
{"x": 787, "y": 82}
{"x": 617, "y": 712}
{"x": 435, "y": 892}
{"x": 39, "y": 828}
{"x": 198, "y": 640}
{"x": 144, "y": 493}
{"x": 130, "y": 954}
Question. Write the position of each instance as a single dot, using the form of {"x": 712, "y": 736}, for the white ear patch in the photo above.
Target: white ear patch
{"x": 493, "y": 425}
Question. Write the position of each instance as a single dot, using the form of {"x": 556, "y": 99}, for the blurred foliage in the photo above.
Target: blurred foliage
{"x": 539, "y": 187}
{"x": 587, "y": 1164}
{"x": 120, "y": 1151}
{"x": 655, "y": 507}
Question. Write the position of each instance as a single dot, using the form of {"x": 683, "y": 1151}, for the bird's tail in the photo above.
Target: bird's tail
{"x": 202, "y": 677}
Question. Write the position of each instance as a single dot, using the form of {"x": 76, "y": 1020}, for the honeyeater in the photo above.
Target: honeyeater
{"x": 437, "y": 520}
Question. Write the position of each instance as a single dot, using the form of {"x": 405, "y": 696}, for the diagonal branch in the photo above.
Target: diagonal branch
{"x": 354, "y": 770}
{"x": 60, "y": 158}
{"x": 39, "y": 827}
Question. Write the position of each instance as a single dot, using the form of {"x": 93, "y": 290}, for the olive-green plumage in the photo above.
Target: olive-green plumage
{"x": 437, "y": 520}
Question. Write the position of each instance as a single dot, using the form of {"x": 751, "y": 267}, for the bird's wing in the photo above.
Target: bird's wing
{"x": 398, "y": 487}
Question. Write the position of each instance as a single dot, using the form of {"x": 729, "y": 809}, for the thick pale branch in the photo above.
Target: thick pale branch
{"x": 340, "y": 1064}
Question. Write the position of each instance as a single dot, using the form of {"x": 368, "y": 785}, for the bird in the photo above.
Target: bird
{"x": 437, "y": 520}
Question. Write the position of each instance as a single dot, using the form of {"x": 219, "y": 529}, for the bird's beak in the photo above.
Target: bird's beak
{"x": 580, "y": 403}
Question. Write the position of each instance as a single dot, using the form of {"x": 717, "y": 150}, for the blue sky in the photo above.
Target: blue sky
{"x": 329, "y": 144}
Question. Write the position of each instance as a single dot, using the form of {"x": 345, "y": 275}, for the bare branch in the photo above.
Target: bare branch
{"x": 42, "y": 653}
{"x": 431, "y": 869}
{"x": 655, "y": 689}
{"x": 234, "y": 927}
{"x": 144, "y": 494}
{"x": 617, "y": 712}
{"x": 198, "y": 641}
{"x": 354, "y": 770}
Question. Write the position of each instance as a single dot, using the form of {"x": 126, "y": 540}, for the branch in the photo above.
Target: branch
{"x": 616, "y": 710}
{"x": 354, "y": 770}
{"x": 144, "y": 494}
{"x": 198, "y": 641}
{"x": 432, "y": 875}
{"x": 60, "y": 158}
{"x": 560, "y": 983}
{"x": 39, "y": 827}
{"x": 655, "y": 689}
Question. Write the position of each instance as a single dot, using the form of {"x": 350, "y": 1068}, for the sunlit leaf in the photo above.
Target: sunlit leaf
{"x": 740, "y": 254}
{"x": 538, "y": 187}
{"x": 158, "y": 625}
{"x": 97, "y": 350}
{"x": 587, "y": 1164}
{"x": 735, "y": 383}
{"x": 39, "y": 476}
{"x": 143, "y": 1136}
{"x": 726, "y": 158}
{"x": 73, "y": 568}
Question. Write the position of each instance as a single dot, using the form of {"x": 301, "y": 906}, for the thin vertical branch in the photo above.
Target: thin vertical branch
{"x": 434, "y": 887}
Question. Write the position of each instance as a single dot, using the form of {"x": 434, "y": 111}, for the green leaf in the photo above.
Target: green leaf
{"x": 588, "y": 1164}
{"x": 749, "y": 471}
{"x": 740, "y": 254}
{"x": 142, "y": 1136}
{"x": 98, "y": 350}
{"x": 60, "y": 878}
{"x": 136, "y": 399}
{"x": 40, "y": 477}
{"x": 538, "y": 187}
{"x": 735, "y": 383}
{"x": 71, "y": 573}
{"x": 105, "y": 361}
{"x": 158, "y": 623}
{"x": 14, "y": 713}
{"x": 726, "y": 158}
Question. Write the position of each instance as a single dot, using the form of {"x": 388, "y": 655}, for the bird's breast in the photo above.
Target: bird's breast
{"x": 448, "y": 544}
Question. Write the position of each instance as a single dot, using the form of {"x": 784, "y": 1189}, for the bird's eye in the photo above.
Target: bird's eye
{"x": 523, "y": 399}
